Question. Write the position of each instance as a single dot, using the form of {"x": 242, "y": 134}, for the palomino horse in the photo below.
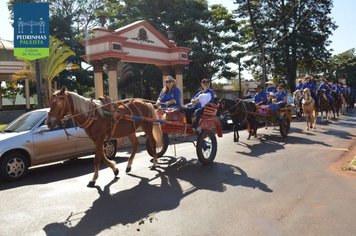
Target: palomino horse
{"x": 240, "y": 113}
{"x": 309, "y": 111}
{"x": 297, "y": 96}
{"x": 102, "y": 123}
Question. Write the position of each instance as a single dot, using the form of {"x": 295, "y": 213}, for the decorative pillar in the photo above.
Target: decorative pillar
{"x": 27, "y": 94}
{"x": 112, "y": 73}
{"x": 179, "y": 78}
{"x": 0, "y": 96}
{"x": 98, "y": 78}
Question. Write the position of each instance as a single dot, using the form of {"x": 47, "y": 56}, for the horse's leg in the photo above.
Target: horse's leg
{"x": 147, "y": 128}
{"x": 99, "y": 153}
{"x": 236, "y": 133}
{"x": 249, "y": 130}
{"x": 134, "y": 142}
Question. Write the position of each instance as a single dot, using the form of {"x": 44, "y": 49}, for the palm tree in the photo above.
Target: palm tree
{"x": 50, "y": 67}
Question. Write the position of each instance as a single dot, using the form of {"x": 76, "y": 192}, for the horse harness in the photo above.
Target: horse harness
{"x": 235, "y": 112}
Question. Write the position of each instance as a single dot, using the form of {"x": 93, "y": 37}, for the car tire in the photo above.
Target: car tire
{"x": 14, "y": 166}
{"x": 110, "y": 149}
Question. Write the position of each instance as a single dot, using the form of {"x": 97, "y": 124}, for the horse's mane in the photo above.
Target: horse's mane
{"x": 84, "y": 105}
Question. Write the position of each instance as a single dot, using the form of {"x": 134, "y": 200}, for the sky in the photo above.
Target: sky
{"x": 343, "y": 38}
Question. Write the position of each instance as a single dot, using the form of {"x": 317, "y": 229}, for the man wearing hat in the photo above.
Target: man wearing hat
{"x": 308, "y": 83}
{"x": 324, "y": 85}
{"x": 198, "y": 102}
{"x": 299, "y": 85}
{"x": 260, "y": 96}
{"x": 270, "y": 87}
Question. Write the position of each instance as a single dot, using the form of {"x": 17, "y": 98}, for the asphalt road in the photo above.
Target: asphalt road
{"x": 265, "y": 186}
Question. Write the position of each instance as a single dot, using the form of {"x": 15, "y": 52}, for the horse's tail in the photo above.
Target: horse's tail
{"x": 156, "y": 128}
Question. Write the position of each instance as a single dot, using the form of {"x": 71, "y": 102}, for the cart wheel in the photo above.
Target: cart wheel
{"x": 160, "y": 151}
{"x": 284, "y": 126}
{"x": 206, "y": 147}
{"x": 110, "y": 149}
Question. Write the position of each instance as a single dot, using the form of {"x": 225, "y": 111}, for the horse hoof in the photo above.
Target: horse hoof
{"x": 91, "y": 184}
{"x": 116, "y": 171}
{"x": 128, "y": 169}
{"x": 153, "y": 168}
{"x": 248, "y": 138}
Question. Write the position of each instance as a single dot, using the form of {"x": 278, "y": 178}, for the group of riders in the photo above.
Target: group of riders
{"x": 273, "y": 97}
{"x": 276, "y": 97}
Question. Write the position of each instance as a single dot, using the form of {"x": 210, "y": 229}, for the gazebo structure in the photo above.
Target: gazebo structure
{"x": 138, "y": 42}
{"x": 9, "y": 65}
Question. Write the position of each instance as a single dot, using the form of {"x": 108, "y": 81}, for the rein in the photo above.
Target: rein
{"x": 236, "y": 112}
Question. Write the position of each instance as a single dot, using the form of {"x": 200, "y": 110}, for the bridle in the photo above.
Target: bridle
{"x": 66, "y": 103}
{"x": 235, "y": 112}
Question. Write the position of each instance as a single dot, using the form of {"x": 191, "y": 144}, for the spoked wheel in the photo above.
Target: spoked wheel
{"x": 110, "y": 149}
{"x": 161, "y": 150}
{"x": 206, "y": 147}
{"x": 284, "y": 126}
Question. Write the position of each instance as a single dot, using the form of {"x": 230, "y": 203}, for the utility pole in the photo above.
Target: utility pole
{"x": 240, "y": 89}
{"x": 38, "y": 85}
{"x": 263, "y": 66}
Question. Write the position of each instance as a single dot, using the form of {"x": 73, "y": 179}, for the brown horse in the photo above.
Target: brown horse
{"x": 308, "y": 106}
{"x": 240, "y": 113}
{"x": 106, "y": 121}
{"x": 324, "y": 105}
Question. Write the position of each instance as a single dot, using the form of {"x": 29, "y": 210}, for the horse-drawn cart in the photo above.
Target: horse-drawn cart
{"x": 282, "y": 117}
{"x": 173, "y": 125}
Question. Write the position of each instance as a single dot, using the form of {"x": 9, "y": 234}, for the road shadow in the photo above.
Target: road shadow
{"x": 57, "y": 172}
{"x": 143, "y": 201}
{"x": 270, "y": 143}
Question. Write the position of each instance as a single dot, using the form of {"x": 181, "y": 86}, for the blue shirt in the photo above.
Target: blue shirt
{"x": 169, "y": 95}
{"x": 310, "y": 85}
{"x": 325, "y": 87}
{"x": 299, "y": 86}
{"x": 261, "y": 97}
{"x": 280, "y": 96}
{"x": 272, "y": 89}
{"x": 336, "y": 88}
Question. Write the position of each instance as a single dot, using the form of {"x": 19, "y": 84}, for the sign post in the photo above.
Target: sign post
{"x": 31, "y": 36}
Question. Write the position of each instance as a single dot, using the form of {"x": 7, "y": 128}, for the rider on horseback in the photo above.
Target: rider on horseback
{"x": 324, "y": 85}
{"x": 309, "y": 83}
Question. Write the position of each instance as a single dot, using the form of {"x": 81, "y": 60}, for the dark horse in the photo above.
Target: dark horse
{"x": 106, "y": 121}
{"x": 240, "y": 112}
{"x": 324, "y": 105}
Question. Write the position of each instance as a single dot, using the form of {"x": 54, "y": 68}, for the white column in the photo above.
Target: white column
{"x": 98, "y": 79}
{"x": 112, "y": 73}
{"x": 113, "y": 85}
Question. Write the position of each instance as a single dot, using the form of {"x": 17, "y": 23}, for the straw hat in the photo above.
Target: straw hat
{"x": 270, "y": 82}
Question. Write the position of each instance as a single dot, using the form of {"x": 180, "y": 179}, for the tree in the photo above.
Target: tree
{"x": 10, "y": 92}
{"x": 292, "y": 33}
{"x": 50, "y": 66}
{"x": 343, "y": 66}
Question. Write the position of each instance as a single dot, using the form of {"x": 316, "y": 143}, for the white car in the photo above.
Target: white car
{"x": 27, "y": 142}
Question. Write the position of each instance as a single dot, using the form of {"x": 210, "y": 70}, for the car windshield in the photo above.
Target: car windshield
{"x": 25, "y": 122}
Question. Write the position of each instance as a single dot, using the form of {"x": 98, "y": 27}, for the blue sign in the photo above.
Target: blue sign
{"x": 31, "y": 30}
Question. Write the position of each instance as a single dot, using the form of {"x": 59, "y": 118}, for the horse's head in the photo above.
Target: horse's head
{"x": 59, "y": 107}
